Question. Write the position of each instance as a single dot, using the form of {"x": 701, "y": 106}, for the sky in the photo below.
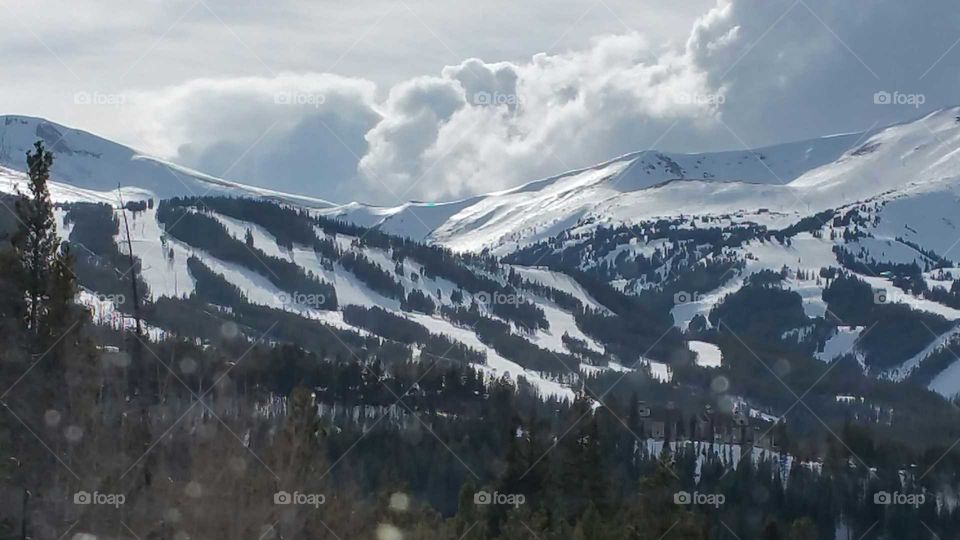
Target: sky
{"x": 384, "y": 101}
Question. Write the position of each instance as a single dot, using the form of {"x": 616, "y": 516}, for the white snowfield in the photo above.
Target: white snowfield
{"x": 708, "y": 354}
{"x": 943, "y": 341}
{"x": 947, "y": 382}
{"x": 841, "y": 343}
{"x": 561, "y": 282}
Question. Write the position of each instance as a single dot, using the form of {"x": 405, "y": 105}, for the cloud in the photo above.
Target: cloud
{"x": 751, "y": 72}
{"x": 292, "y": 132}
{"x": 802, "y": 69}
{"x": 487, "y": 126}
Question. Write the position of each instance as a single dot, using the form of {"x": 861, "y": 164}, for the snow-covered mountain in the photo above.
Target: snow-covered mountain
{"x": 878, "y": 205}
{"x": 88, "y": 166}
{"x": 915, "y": 163}
{"x": 630, "y": 186}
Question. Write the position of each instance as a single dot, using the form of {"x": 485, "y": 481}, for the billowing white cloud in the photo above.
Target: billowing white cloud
{"x": 499, "y": 124}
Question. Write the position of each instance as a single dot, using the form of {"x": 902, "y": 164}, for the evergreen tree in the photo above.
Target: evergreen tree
{"x": 35, "y": 240}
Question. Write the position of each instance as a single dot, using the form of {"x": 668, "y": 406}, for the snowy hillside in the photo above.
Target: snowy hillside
{"x": 92, "y": 164}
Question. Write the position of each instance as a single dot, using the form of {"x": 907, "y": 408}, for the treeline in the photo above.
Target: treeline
{"x": 609, "y": 253}
{"x": 99, "y": 264}
{"x": 258, "y": 320}
{"x": 863, "y": 263}
{"x": 635, "y": 327}
{"x": 934, "y": 364}
{"x": 372, "y": 274}
{"x": 288, "y": 226}
{"x": 206, "y": 233}
{"x": 762, "y": 310}
{"x": 896, "y": 331}
{"x": 403, "y": 330}
{"x": 498, "y": 336}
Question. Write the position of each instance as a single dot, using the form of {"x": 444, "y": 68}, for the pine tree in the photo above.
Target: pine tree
{"x": 61, "y": 314}
{"x": 36, "y": 240}
{"x": 60, "y": 336}
{"x": 590, "y": 526}
{"x": 467, "y": 524}
{"x": 299, "y": 464}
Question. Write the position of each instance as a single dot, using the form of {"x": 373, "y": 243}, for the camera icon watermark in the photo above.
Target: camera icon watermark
{"x": 885, "y": 498}
{"x": 85, "y": 498}
{"x": 701, "y": 499}
{"x": 884, "y": 97}
{"x": 880, "y": 296}
{"x": 285, "y": 498}
{"x": 484, "y": 498}
{"x": 685, "y": 297}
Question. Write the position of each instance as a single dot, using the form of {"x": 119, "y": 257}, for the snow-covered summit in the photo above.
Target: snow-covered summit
{"x": 775, "y": 186}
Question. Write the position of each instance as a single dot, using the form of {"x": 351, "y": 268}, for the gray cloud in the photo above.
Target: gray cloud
{"x": 746, "y": 71}
{"x": 813, "y": 68}
{"x": 299, "y": 133}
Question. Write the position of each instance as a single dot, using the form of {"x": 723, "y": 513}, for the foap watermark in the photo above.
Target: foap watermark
{"x": 484, "y": 498}
{"x": 884, "y": 97}
{"x": 309, "y": 99}
{"x": 285, "y": 498}
{"x": 701, "y": 499}
{"x": 115, "y": 299}
{"x": 312, "y": 300}
{"x": 496, "y": 98}
{"x": 498, "y": 297}
{"x": 885, "y": 498}
{"x": 694, "y": 98}
{"x": 99, "y": 99}
{"x": 86, "y": 498}
{"x": 686, "y": 297}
